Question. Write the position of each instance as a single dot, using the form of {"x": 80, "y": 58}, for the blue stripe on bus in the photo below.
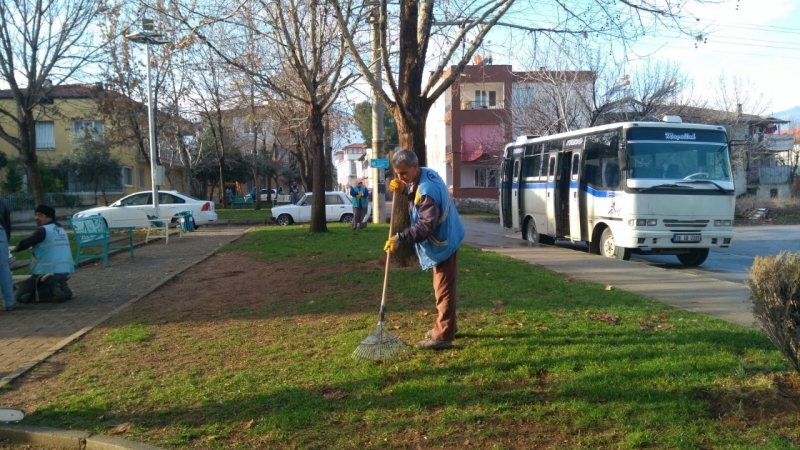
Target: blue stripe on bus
{"x": 573, "y": 185}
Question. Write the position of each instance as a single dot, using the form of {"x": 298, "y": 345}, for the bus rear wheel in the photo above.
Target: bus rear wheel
{"x": 610, "y": 250}
{"x": 695, "y": 257}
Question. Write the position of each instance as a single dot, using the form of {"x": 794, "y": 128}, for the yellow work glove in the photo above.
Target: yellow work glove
{"x": 392, "y": 244}
{"x": 360, "y": 195}
{"x": 397, "y": 186}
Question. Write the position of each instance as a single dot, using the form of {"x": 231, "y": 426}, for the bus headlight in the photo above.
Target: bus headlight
{"x": 642, "y": 222}
{"x": 722, "y": 223}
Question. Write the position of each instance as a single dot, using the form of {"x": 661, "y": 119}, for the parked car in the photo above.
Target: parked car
{"x": 264, "y": 193}
{"x": 127, "y": 211}
{"x": 338, "y": 208}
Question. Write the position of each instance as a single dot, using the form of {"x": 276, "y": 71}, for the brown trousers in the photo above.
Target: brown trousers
{"x": 445, "y": 282}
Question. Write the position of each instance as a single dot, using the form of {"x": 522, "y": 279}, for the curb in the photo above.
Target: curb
{"x": 67, "y": 439}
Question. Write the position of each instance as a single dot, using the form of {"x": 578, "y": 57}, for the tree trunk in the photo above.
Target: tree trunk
{"x": 316, "y": 132}
{"x": 411, "y": 132}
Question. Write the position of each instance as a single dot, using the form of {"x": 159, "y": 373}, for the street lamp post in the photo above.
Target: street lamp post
{"x": 148, "y": 37}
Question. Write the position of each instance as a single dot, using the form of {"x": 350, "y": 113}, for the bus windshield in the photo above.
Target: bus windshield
{"x": 679, "y": 160}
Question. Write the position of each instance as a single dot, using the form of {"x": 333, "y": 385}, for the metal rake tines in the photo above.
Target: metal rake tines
{"x": 380, "y": 345}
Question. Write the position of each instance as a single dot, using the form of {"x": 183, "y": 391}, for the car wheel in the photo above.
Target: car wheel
{"x": 695, "y": 257}
{"x": 347, "y": 218}
{"x": 609, "y": 249}
{"x": 284, "y": 219}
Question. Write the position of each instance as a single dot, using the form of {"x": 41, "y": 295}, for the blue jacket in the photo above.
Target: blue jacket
{"x": 362, "y": 202}
{"x": 449, "y": 232}
{"x": 52, "y": 255}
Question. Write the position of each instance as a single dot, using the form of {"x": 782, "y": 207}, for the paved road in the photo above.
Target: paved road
{"x": 33, "y": 332}
{"x": 685, "y": 289}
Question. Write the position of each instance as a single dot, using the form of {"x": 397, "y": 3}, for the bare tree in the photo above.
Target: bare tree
{"x": 309, "y": 57}
{"x": 210, "y": 101}
{"x": 43, "y": 43}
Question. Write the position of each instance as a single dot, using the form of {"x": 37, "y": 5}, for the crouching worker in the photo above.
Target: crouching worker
{"x": 51, "y": 264}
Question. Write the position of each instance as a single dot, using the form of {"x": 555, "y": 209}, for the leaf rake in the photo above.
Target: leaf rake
{"x": 381, "y": 345}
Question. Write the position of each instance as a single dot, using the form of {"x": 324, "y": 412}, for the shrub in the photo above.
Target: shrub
{"x": 775, "y": 291}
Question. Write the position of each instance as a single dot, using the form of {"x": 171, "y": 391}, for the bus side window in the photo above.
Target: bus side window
{"x": 552, "y": 170}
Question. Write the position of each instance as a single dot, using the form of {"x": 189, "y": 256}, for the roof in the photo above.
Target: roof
{"x": 706, "y": 115}
{"x": 63, "y": 91}
{"x": 547, "y": 76}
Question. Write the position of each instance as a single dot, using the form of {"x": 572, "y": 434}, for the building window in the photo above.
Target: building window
{"x": 92, "y": 128}
{"x": 492, "y": 99}
{"x": 127, "y": 176}
{"x": 480, "y": 99}
{"x": 486, "y": 177}
{"x": 353, "y": 170}
{"x": 45, "y": 136}
{"x": 141, "y": 178}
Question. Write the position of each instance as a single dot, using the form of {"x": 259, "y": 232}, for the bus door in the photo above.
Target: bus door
{"x": 563, "y": 182}
{"x": 516, "y": 189}
{"x": 575, "y": 232}
{"x": 552, "y": 196}
{"x": 506, "y": 171}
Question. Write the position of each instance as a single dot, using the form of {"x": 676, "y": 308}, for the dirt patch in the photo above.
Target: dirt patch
{"x": 776, "y": 404}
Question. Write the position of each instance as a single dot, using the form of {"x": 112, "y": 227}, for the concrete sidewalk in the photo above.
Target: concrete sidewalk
{"x": 725, "y": 300}
{"x": 33, "y": 332}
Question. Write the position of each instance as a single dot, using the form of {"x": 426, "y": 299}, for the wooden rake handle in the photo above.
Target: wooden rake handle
{"x": 388, "y": 256}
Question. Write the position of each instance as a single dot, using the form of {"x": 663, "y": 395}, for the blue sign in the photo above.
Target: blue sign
{"x": 379, "y": 163}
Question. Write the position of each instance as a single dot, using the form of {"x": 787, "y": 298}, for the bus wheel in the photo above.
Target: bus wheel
{"x": 531, "y": 235}
{"x": 610, "y": 250}
{"x": 695, "y": 257}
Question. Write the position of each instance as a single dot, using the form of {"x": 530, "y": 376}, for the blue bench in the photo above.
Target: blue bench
{"x": 92, "y": 231}
{"x": 240, "y": 201}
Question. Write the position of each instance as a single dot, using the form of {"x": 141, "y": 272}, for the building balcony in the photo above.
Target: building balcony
{"x": 470, "y": 106}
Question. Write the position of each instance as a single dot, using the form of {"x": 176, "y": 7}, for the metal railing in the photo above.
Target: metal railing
{"x": 19, "y": 202}
{"x": 465, "y": 105}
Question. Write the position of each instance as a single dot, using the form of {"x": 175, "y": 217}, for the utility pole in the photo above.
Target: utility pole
{"x": 378, "y": 174}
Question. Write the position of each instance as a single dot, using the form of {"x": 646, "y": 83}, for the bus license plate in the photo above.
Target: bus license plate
{"x": 685, "y": 238}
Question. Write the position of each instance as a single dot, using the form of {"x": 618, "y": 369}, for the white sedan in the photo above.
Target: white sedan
{"x": 338, "y": 208}
{"x": 130, "y": 211}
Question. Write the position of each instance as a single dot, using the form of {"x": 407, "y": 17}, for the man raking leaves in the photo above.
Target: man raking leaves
{"x": 436, "y": 232}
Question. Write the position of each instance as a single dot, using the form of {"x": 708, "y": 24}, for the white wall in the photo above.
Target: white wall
{"x": 435, "y": 137}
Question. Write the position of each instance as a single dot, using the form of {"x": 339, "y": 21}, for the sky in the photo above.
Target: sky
{"x": 757, "y": 41}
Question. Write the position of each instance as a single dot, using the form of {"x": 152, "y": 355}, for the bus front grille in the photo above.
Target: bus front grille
{"x": 675, "y": 223}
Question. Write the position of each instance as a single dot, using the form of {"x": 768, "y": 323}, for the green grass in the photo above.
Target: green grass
{"x": 537, "y": 364}
{"x": 227, "y": 214}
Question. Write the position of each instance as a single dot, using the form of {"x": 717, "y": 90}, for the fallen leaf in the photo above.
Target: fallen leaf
{"x": 608, "y": 287}
{"x": 335, "y": 395}
{"x": 208, "y": 438}
{"x": 423, "y": 313}
{"x": 396, "y": 327}
{"x": 466, "y": 441}
{"x": 121, "y": 428}
{"x": 519, "y": 324}
{"x": 249, "y": 424}
{"x": 667, "y": 326}
{"x": 466, "y": 270}
{"x": 497, "y": 302}
{"x": 497, "y": 311}
{"x": 613, "y": 320}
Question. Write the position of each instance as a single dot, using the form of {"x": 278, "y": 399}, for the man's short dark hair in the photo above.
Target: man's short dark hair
{"x": 405, "y": 156}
